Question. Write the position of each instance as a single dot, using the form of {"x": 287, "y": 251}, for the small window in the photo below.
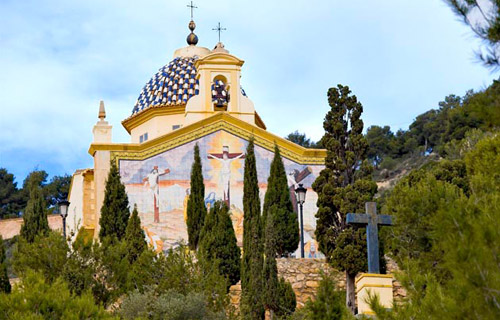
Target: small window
{"x": 176, "y": 126}
{"x": 143, "y": 138}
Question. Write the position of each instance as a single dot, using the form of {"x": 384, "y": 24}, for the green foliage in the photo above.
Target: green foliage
{"x": 345, "y": 184}
{"x": 115, "y": 211}
{"x": 382, "y": 143}
{"x": 180, "y": 270}
{"x": 450, "y": 260}
{"x": 329, "y": 303}
{"x": 302, "y": 140}
{"x": 35, "y": 215}
{"x": 218, "y": 243}
{"x": 483, "y": 18}
{"x": 170, "y": 305}
{"x": 4, "y": 277}
{"x": 35, "y": 298}
{"x": 57, "y": 190}
{"x": 279, "y": 297}
{"x": 251, "y": 304}
{"x": 10, "y": 200}
{"x": 134, "y": 237}
{"x": 277, "y": 202}
{"x": 287, "y": 300}
{"x": 196, "y": 210}
{"x": 47, "y": 255}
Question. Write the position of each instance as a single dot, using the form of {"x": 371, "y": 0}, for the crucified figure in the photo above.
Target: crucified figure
{"x": 153, "y": 179}
{"x": 226, "y": 159}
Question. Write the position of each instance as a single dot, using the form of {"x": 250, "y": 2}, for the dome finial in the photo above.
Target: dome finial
{"x": 102, "y": 111}
{"x": 192, "y": 39}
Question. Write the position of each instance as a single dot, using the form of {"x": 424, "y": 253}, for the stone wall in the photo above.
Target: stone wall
{"x": 305, "y": 275}
{"x": 11, "y": 227}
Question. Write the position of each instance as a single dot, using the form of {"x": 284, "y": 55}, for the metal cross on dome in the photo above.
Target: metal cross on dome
{"x": 191, "y": 6}
{"x": 219, "y": 29}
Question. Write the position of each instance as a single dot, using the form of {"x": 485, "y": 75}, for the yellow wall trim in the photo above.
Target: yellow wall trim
{"x": 219, "y": 121}
{"x": 150, "y": 112}
{"x": 374, "y": 275}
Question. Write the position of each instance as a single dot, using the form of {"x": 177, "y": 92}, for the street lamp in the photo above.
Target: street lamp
{"x": 300, "y": 193}
{"x": 63, "y": 211}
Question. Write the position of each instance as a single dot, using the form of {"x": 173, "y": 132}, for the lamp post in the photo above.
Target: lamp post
{"x": 300, "y": 192}
{"x": 63, "y": 211}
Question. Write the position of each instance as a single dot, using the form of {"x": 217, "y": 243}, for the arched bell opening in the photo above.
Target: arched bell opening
{"x": 220, "y": 93}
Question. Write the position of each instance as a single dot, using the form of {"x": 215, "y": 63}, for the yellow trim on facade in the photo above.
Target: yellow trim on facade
{"x": 219, "y": 121}
{"x": 366, "y": 285}
{"x": 149, "y": 113}
{"x": 374, "y": 275}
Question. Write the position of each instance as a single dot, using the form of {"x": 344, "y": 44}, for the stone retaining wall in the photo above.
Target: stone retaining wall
{"x": 305, "y": 275}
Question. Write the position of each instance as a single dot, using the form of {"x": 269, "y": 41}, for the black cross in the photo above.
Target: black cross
{"x": 219, "y": 29}
{"x": 192, "y": 7}
{"x": 371, "y": 220}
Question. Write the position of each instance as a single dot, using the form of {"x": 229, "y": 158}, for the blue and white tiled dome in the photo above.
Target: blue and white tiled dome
{"x": 172, "y": 85}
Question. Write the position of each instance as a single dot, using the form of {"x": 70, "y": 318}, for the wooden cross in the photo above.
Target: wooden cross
{"x": 219, "y": 29}
{"x": 371, "y": 220}
{"x": 191, "y": 6}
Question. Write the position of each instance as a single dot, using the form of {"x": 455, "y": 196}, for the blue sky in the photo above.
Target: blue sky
{"x": 59, "y": 58}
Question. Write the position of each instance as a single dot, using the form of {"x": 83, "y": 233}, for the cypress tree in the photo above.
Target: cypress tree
{"x": 35, "y": 214}
{"x": 218, "y": 242}
{"x": 196, "y": 210}
{"x": 251, "y": 304}
{"x": 115, "y": 211}
{"x": 271, "y": 281}
{"x": 279, "y": 296}
{"x": 278, "y": 195}
{"x": 343, "y": 186}
{"x": 4, "y": 277}
{"x": 134, "y": 237}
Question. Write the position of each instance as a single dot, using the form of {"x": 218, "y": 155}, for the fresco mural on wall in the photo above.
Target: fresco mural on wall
{"x": 160, "y": 187}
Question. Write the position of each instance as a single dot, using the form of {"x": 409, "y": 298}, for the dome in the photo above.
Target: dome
{"x": 172, "y": 85}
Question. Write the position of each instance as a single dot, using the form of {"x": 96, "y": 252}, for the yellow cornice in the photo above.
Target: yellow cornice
{"x": 219, "y": 58}
{"x": 149, "y": 113}
{"x": 219, "y": 121}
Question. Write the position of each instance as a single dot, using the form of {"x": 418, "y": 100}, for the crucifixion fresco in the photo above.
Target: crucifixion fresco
{"x": 226, "y": 159}
{"x": 152, "y": 180}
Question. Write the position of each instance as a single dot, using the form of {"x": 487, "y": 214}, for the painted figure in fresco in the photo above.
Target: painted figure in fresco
{"x": 294, "y": 177}
{"x": 153, "y": 180}
{"x": 210, "y": 200}
{"x": 226, "y": 159}
{"x": 186, "y": 199}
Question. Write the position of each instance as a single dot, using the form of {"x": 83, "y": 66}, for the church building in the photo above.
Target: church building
{"x": 196, "y": 98}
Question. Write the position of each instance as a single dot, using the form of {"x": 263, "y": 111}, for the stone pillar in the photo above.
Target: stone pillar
{"x": 373, "y": 284}
{"x": 102, "y": 135}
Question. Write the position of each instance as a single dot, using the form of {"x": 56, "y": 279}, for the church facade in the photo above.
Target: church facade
{"x": 194, "y": 99}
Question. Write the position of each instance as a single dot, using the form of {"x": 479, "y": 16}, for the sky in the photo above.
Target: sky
{"x": 59, "y": 58}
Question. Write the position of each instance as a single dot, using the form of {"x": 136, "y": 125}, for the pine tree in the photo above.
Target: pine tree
{"x": 4, "y": 277}
{"x": 115, "y": 211}
{"x": 134, "y": 237}
{"x": 218, "y": 242}
{"x": 251, "y": 304}
{"x": 278, "y": 196}
{"x": 35, "y": 214}
{"x": 343, "y": 186}
{"x": 196, "y": 210}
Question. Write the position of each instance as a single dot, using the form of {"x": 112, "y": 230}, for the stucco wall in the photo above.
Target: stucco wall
{"x": 11, "y": 227}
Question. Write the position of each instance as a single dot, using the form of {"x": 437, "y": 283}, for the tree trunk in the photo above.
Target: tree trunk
{"x": 350, "y": 297}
